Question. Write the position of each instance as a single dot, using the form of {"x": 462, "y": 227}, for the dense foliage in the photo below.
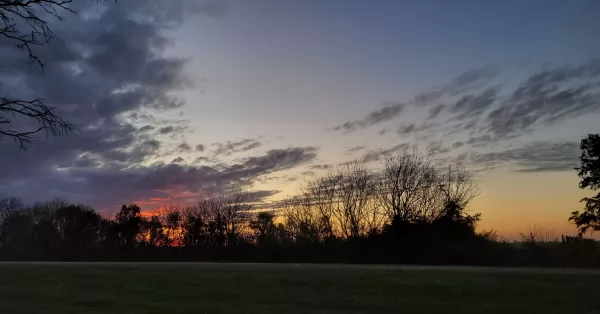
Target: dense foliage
{"x": 589, "y": 172}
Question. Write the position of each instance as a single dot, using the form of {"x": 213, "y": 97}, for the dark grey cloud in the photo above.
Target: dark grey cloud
{"x": 229, "y": 147}
{"x": 184, "y": 147}
{"x": 354, "y": 149}
{"x": 463, "y": 83}
{"x": 534, "y": 157}
{"x": 108, "y": 187}
{"x": 384, "y": 114}
{"x": 481, "y": 140}
{"x": 279, "y": 159}
{"x": 473, "y": 105}
{"x": 458, "y": 144}
{"x": 172, "y": 128}
{"x": 202, "y": 159}
{"x": 437, "y": 148}
{"x": 110, "y": 75}
{"x": 478, "y": 104}
{"x": 407, "y": 129}
{"x": 375, "y": 154}
{"x": 260, "y": 195}
{"x": 251, "y": 146}
{"x": 321, "y": 167}
{"x": 166, "y": 129}
{"x": 178, "y": 160}
{"x": 146, "y": 128}
{"x": 435, "y": 111}
{"x": 547, "y": 97}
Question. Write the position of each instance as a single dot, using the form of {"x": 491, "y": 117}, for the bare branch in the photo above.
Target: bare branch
{"x": 27, "y": 23}
{"x": 46, "y": 120}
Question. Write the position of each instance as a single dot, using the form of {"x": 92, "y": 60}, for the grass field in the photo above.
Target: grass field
{"x": 274, "y": 288}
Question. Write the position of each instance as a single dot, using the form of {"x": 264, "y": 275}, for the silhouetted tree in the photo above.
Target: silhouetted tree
{"x": 152, "y": 233}
{"x": 345, "y": 201}
{"x": 233, "y": 215}
{"x": 589, "y": 172}
{"x": 265, "y": 230}
{"x": 171, "y": 220}
{"x": 17, "y": 237}
{"x": 415, "y": 190}
{"x": 306, "y": 224}
{"x": 8, "y": 206}
{"x": 409, "y": 190}
{"x": 78, "y": 227}
{"x": 128, "y": 224}
{"x": 194, "y": 229}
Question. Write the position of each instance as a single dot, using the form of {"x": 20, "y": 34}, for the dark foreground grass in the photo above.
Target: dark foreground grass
{"x": 269, "y": 288}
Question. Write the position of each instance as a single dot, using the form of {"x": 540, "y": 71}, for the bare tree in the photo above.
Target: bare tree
{"x": 26, "y": 24}
{"x": 408, "y": 188}
{"x": 236, "y": 214}
{"x": 414, "y": 189}
{"x": 303, "y": 221}
{"x": 228, "y": 216}
{"x": 356, "y": 210}
{"x": 171, "y": 219}
{"x": 8, "y": 206}
{"x": 316, "y": 198}
{"x": 342, "y": 202}
{"x": 457, "y": 186}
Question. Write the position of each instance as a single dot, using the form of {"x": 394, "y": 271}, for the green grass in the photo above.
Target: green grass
{"x": 269, "y": 288}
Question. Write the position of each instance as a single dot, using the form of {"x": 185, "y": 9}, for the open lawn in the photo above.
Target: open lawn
{"x": 64, "y": 288}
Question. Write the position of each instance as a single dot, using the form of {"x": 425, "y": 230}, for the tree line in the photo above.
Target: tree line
{"x": 351, "y": 203}
{"x": 413, "y": 210}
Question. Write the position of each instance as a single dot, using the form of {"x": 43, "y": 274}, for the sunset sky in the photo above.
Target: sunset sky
{"x": 179, "y": 99}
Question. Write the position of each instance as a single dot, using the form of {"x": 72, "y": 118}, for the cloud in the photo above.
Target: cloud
{"x": 146, "y": 128}
{"x": 437, "y": 148}
{"x": 173, "y": 128}
{"x": 233, "y": 147}
{"x": 473, "y": 105}
{"x": 200, "y": 148}
{"x": 166, "y": 129}
{"x": 321, "y": 167}
{"x": 178, "y": 160}
{"x": 202, "y": 159}
{"x": 279, "y": 159}
{"x": 458, "y": 144}
{"x": 407, "y": 129}
{"x": 375, "y": 154}
{"x": 463, "y": 83}
{"x": 112, "y": 75}
{"x": 108, "y": 187}
{"x": 354, "y": 149}
{"x": 435, "y": 111}
{"x": 386, "y": 113}
{"x": 547, "y": 97}
{"x": 480, "y": 140}
{"x": 534, "y": 157}
{"x": 476, "y": 102}
{"x": 261, "y": 195}
{"x": 184, "y": 147}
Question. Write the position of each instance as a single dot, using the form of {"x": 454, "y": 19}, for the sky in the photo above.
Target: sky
{"x": 179, "y": 99}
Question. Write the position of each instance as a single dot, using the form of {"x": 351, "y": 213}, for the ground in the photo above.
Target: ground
{"x": 275, "y": 288}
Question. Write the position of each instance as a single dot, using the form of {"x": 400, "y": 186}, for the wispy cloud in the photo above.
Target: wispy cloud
{"x": 533, "y": 157}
